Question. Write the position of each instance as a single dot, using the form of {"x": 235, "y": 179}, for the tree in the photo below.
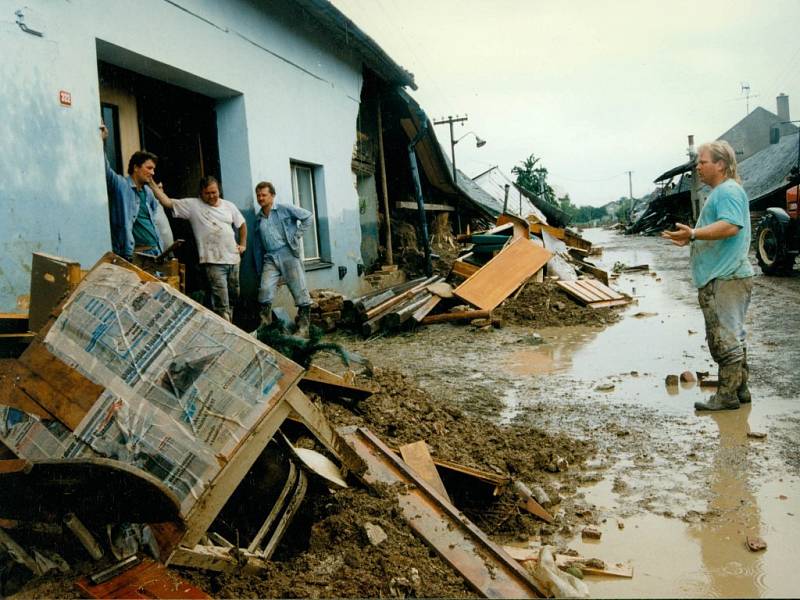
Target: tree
{"x": 534, "y": 179}
{"x": 566, "y": 206}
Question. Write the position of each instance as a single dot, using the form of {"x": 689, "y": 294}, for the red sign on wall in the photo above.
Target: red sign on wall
{"x": 65, "y": 98}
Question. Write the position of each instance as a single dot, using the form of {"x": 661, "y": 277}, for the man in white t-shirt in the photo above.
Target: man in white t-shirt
{"x": 213, "y": 221}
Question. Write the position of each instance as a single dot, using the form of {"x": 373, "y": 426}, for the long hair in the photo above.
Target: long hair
{"x": 721, "y": 150}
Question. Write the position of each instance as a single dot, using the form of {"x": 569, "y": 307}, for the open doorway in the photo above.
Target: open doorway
{"x": 179, "y": 126}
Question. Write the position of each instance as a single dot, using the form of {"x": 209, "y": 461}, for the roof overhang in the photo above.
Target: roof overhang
{"x": 350, "y": 35}
{"x": 679, "y": 170}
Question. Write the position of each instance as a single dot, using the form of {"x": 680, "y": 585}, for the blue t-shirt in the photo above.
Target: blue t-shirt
{"x": 723, "y": 259}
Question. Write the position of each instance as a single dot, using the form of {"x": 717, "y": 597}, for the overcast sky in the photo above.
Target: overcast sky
{"x": 594, "y": 88}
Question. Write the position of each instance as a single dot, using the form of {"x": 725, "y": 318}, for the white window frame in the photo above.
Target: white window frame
{"x": 298, "y": 168}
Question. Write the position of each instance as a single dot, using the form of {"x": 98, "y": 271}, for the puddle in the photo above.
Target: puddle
{"x": 733, "y": 487}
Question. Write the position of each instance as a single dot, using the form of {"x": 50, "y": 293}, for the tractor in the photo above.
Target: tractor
{"x": 777, "y": 238}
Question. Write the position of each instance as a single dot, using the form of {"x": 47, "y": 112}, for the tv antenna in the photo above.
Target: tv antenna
{"x": 747, "y": 95}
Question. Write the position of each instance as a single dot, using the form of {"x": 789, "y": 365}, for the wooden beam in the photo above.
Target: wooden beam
{"x": 463, "y": 315}
{"x": 316, "y": 422}
{"x": 216, "y": 558}
{"x": 428, "y": 206}
{"x": 418, "y": 457}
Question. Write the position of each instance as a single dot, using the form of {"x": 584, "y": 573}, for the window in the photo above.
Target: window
{"x": 304, "y": 193}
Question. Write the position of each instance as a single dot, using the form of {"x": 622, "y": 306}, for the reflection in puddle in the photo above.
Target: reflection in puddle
{"x": 672, "y": 558}
{"x": 707, "y": 558}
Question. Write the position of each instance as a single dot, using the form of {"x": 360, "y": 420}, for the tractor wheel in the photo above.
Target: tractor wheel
{"x": 771, "y": 247}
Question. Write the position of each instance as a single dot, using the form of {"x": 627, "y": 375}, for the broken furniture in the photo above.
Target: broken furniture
{"x": 132, "y": 370}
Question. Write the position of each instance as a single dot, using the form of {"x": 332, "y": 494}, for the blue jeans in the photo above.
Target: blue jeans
{"x": 223, "y": 282}
{"x": 724, "y": 304}
{"x": 283, "y": 263}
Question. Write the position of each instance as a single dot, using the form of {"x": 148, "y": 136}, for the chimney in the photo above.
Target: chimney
{"x": 783, "y": 107}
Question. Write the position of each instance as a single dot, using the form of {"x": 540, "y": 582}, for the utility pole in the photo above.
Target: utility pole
{"x": 630, "y": 196}
{"x": 694, "y": 194}
{"x": 450, "y": 120}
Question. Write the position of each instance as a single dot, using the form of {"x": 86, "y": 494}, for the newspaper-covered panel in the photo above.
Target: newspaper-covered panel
{"x": 30, "y": 438}
{"x": 202, "y": 381}
{"x": 139, "y": 434}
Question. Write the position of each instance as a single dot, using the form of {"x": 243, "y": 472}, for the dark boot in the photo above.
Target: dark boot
{"x": 743, "y": 392}
{"x": 303, "y": 320}
{"x": 730, "y": 377}
{"x": 266, "y": 314}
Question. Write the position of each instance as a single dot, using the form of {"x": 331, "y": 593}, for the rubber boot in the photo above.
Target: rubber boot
{"x": 303, "y": 319}
{"x": 743, "y": 392}
{"x": 730, "y": 377}
{"x": 266, "y": 314}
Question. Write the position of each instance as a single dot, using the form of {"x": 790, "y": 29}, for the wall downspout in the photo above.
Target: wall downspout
{"x": 412, "y": 157}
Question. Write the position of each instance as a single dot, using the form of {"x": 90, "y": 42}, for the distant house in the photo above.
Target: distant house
{"x": 752, "y": 134}
{"x": 493, "y": 181}
{"x": 763, "y": 168}
{"x": 282, "y": 91}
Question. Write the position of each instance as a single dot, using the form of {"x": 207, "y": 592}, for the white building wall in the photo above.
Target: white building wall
{"x": 282, "y": 94}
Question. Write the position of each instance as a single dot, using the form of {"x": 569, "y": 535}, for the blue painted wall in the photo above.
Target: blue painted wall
{"x": 282, "y": 92}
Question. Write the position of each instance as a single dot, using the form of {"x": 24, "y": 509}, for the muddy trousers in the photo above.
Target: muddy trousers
{"x": 283, "y": 263}
{"x": 223, "y": 283}
{"x": 724, "y": 303}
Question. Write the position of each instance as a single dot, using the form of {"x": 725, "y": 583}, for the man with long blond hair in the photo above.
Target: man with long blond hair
{"x": 721, "y": 270}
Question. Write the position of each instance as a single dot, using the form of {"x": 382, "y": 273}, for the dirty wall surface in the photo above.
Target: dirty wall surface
{"x": 674, "y": 491}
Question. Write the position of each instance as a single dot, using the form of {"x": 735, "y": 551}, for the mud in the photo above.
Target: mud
{"x": 688, "y": 487}
{"x": 547, "y": 305}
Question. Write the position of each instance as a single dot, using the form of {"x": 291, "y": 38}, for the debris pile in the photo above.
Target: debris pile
{"x": 514, "y": 268}
{"x": 129, "y": 385}
{"x": 326, "y": 309}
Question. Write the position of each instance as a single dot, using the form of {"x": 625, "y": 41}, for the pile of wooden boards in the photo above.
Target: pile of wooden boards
{"x": 505, "y": 257}
{"x": 391, "y": 308}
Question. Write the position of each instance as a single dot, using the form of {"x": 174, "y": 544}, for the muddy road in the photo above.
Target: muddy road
{"x": 675, "y": 492}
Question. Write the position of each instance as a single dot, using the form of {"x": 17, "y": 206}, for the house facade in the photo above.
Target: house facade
{"x": 244, "y": 91}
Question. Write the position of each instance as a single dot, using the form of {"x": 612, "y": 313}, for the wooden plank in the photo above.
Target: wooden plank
{"x": 565, "y": 560}
{"x": 589, "y": 289}
{"x": 315, "y": 421}
{"x": 482, "y": 563}
{"x": 423, "y": 310}
{"x": 573, "y": 239}
{"x": 556, "y": 232}
{"x": 464, "y": 269}
{"x": 413, "y": 206}
{"x": 611, "y": 292}
{"x": 609, "y": 303}
{"x": 498, "y": 278}
{"x": 576, "y": 292}
{"x": 23, "y": 390}
{"x": 521, "y": 226}
{"x": 318, "y": 379}
{"x": 602, "y": 275}
{"x": 217, "y": 558}
{"x": 148, "y": 579}
{"x": 418, "y": 457}
{"x": 462, "y": 315}
{"x": 74, "y": 394}
{"x": 52, "y": 279}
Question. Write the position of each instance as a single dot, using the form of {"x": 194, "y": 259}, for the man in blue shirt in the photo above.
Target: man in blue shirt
{"x": 278, "y": 235}
{"x": 721, "y": 271}
{"x": 132, "y": 207}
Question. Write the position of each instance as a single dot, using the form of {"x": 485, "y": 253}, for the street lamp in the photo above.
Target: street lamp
{"x": 479, "y": 142}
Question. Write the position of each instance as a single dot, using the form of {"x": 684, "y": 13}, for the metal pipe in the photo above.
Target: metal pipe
{"x": 412, "y": 157}
{"x": 384, "y": 190}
